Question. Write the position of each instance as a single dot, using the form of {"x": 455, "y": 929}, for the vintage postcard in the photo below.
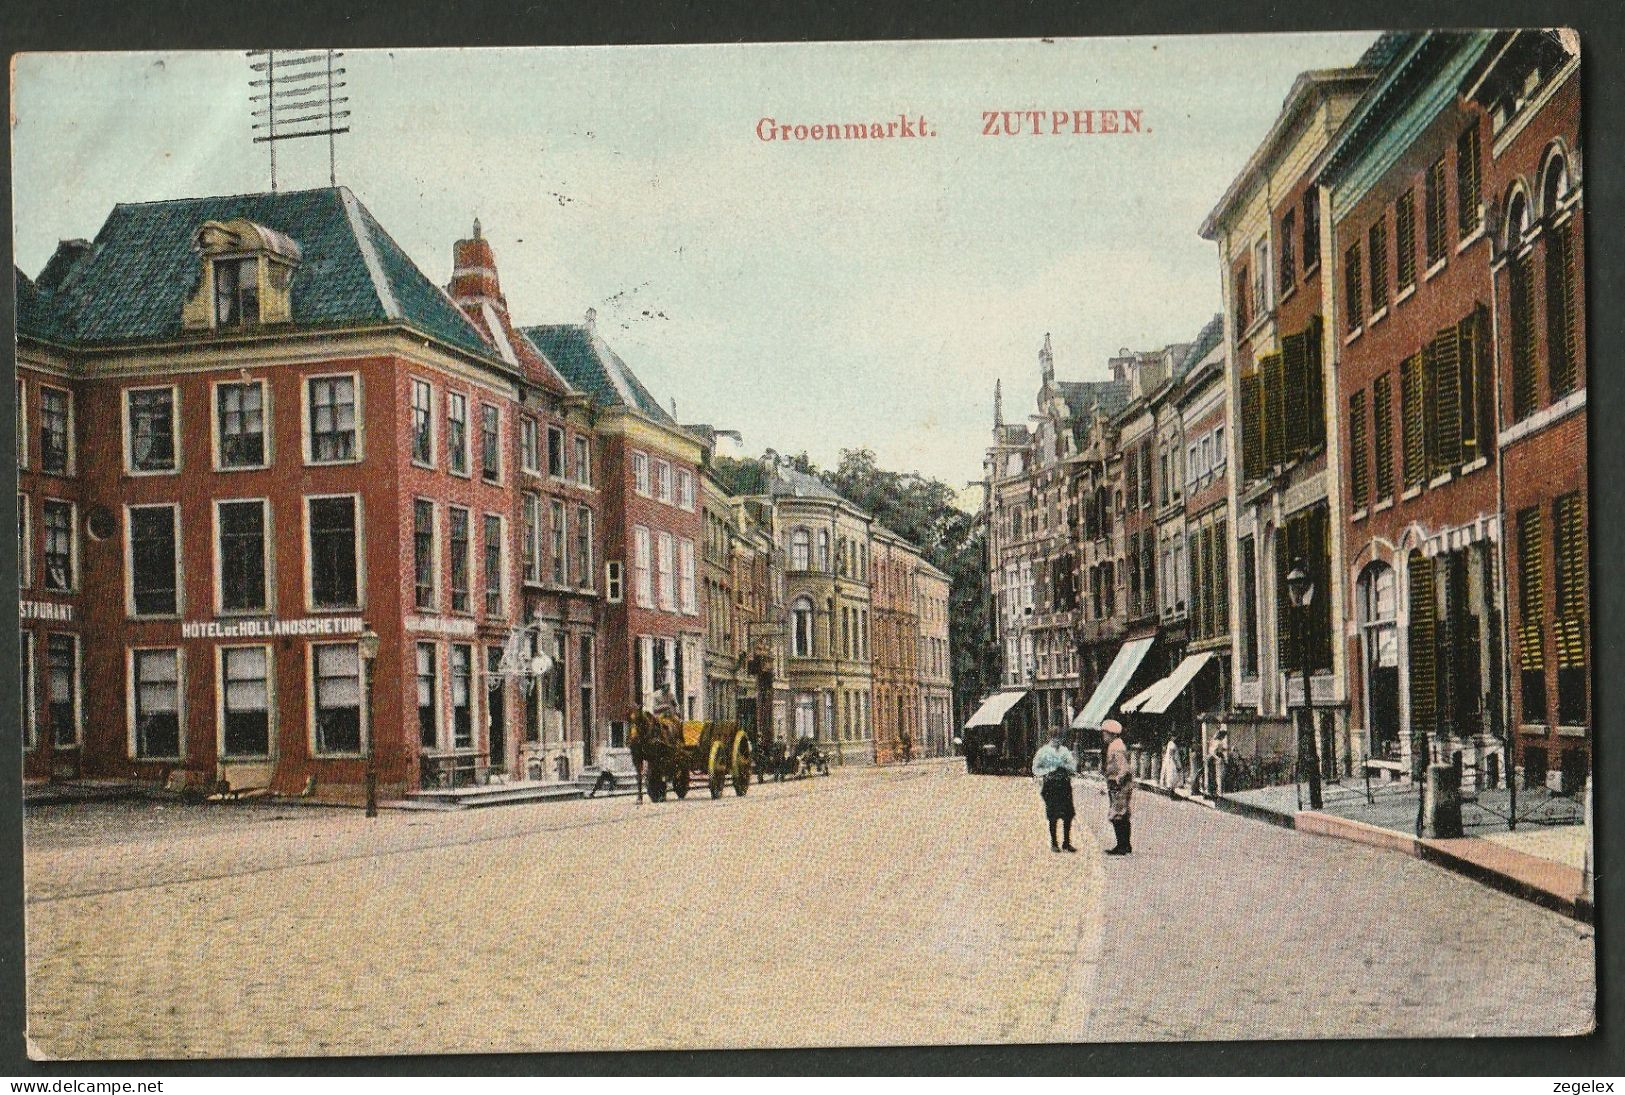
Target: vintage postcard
{"x": 851, "y": 544}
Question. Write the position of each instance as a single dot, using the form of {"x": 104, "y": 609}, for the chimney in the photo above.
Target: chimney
{"x": 474, "y": 272}
{"x": 998, "y": 404}
{"x": 592, "y": 319}
{"x": 67, "y": 256}
{"x": 1046, "y": 361}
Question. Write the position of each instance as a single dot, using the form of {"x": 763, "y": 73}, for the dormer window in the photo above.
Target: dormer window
{"x": 236, "y": 292}
{"x": 246, "y": 277}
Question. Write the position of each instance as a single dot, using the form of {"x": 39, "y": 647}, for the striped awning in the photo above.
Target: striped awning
{"x": 1160, "y": 695}
{"x": 1112, "y": 684}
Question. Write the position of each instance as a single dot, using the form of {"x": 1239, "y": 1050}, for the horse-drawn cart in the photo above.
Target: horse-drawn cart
{"x": 668, "y": 753}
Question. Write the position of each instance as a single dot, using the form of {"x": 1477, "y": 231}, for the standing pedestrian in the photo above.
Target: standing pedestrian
{"x": 1054, "y": 765}
{"x": 1217, "y": 755}
{"x": 1119, "y": 785}
{"x": 1171, "y": 775}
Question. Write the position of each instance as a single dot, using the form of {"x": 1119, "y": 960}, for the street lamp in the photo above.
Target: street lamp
{"x": 368, "y": 646}
{"x": 1300, "y": 589}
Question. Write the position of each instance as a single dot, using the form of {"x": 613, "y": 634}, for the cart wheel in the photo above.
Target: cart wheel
{"x": 741, "y": 765}
{"x": 715, "y": 770}
{"x": 657, "y": 788}
{"x": 679, "y": 782}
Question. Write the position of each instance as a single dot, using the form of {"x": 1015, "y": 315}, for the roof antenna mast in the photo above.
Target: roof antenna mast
{"x": 295, "y": 94}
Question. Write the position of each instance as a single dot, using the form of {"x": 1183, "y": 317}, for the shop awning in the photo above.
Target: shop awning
{"x": 1167, "y": 690}
{"x": 994, "y": 708}
{"x": 1132, "y": 705}
{"x": 1112, "y": 684}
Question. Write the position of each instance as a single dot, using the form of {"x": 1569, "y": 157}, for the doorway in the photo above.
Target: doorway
{"x": 496, "y": 709}
{"x": 1379, "y": 634}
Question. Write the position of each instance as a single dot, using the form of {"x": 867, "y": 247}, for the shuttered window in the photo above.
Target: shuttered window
{"x": 1413, "y": 461}
{"x": 1239, "y": 290}
{"x": 1295, "y": 394}
{"x": 1194, "y": 578}
{"x": 1272, "y": 410}
{"x": 1421, "y": 643}
{"x": 1213, "y": 584}
{"x": 1382, "y": 436}
{"x": 1377, "y": 252}
{"x": 1468, "y": 175}
{"x": 1562, "y": 333}
{"x": 1353, "y": 294}
{"x": 1474, "y": 384}
{"x": 1523, "y": 335}
{"x": 1221, "y": 579}
{"x": 1305, "y": 537}
{"x": 1531, "y": 614}
{"x": 1405, "y": 240}
{"x": 1442, "y": 363}
{"x": 1359, "y": 472}
{"x": 1252, "y": 428}
{"x": 1434, "y": 229}
{"x": 1568, "y": 525}
{"x": 1289, "y": 243}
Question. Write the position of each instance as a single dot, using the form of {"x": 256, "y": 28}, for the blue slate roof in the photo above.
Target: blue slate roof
{"x": 36, "y": 312}
{"x": 139, "y": 270}
{"x": 1205, "y": 341}
{"x": 1081, "y": 395}
{"x": 581, "y": 355}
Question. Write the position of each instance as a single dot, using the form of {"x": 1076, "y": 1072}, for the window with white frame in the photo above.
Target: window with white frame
{"x": 242, "y": 530}
{"x": 333, "y": 421}
{"x": 56, "y": 430}
{"x": 800, "y": 549}
{"x": 685, "y": 489}
{"x": 685, "y": 563}
{"x": 663, "y": 481}
{"x": 666, "y": 576}
{"x": 801, "y": 628}
{"x": 458, "y": 547}
{"x": 150, "y": 429}
{"x": 333, "y": 531}
{"x": 336, "y": 695}
{"x": 245, "y": 701}
{"x": 613, "y": 579}
{"x": 490, "y": 443}
{"x": 423, "y": 561}
{"x": 493, "y": 544}
{"x": 583, "y": 458}
{"x": 61, "y": 547}
{"x": 584, "y": 563}
{"x": 239, "y": 422}
{"x": 422, "y": 423}
{"x": 25, "y": 544}
{"x": 26, "y": 694}
{"x": 153, "y": 561}
{"x": 62, "y": 688}
{"x": 561, "y": 554}
{"x": 555, "y": 452}
{"x": 1219, "y": 455}
{"x": 530, "y": 451}
{"x": 642, "y": 586}
{"x": 640, "y": 473}
{"x": 236, "y": 292}
{"x": 428, "y": 681}
{"x": 1263, "y": 287}
{"x": 155, "y": 703}
{"x": 457, "y": 433}
{"x": 822, "y": 561}
{"x": 462, "y": 696}
{"x": 533, "y": 537}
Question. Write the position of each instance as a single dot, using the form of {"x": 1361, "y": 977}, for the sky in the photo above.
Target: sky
{"x": 813, "y": 295}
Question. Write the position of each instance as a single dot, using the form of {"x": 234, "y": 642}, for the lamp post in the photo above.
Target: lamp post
{"x": 1300, "y": 589}
{"x": 368, "y": 647}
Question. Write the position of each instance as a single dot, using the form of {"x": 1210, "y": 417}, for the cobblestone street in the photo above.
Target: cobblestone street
{"x": 876, "y": 907}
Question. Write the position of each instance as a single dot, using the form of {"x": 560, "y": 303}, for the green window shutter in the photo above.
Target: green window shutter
{"x": 1568, "y": 526}
{"x": 1382, "y": 435}
{"x": 1420, "y": 641}
{"x": 1252, "y": 440}
{"x": 1272, "y": 409}
{"x": 1359, "y": 476}
{"x": 1474, "y": 384}
{"x": 1447, "y": 405}
{"x": 1434, "y": 237}
{"x": 1210, "y": 585}
{"x": 1295, "y": 394}
{"x": 1377, "y": 252}
{"x": 1221, "y": 579}
{"x": 1353, "y": 294}
{"x": 1405, "y": 239}
{"x": 1412, "y": 426}
{"x": 1523, "y": 335}
{"x": 1531, "y": 589}
{"x": 1315, "y": 385}
{"x": 1468, "y": 177}
{"x": 1561, "y": 329}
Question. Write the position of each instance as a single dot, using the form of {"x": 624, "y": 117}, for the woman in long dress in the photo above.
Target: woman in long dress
{"x": 1054, "y": 765}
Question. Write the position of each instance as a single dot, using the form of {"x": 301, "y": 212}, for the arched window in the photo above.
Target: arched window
{"x": 1554, "y": 186}
{"x": 800, "y": 549}
{"x": 1517, "y": 223}
{"x": 801, "y": 628}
